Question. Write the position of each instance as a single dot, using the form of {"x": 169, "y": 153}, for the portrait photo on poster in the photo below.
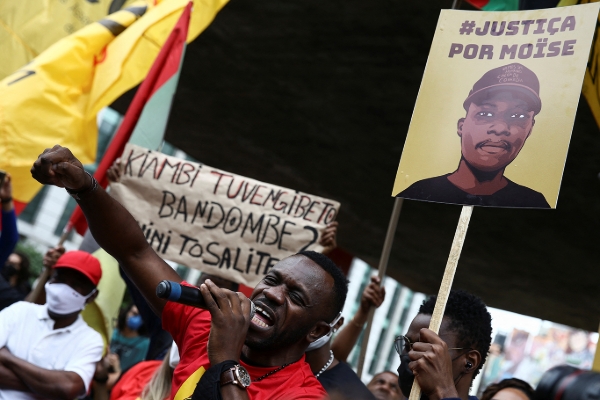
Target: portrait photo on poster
{"x": 494, "y": 115}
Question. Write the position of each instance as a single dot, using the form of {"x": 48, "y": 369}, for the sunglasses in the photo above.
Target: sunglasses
{"x": 403, "y": 345}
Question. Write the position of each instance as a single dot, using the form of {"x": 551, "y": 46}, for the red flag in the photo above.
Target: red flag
{"x": 153, "y": 97}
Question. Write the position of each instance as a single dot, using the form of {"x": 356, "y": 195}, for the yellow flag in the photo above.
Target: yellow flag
{"x": 103, "y": 312}
{"x": 56, "y": 97}
{"x": 28, "y": 29}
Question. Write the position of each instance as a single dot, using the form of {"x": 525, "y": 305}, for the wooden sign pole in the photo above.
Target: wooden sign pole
{"x": 383, "y": 261}
{"x": 442, "y": 298}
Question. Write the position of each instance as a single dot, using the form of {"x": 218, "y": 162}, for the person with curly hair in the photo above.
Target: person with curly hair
{"x": 446, "y": 363}
{"x": 508, "y": 389}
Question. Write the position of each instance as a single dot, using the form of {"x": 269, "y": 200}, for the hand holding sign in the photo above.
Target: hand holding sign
{"x": 113, "y": 173}
{"x": 431, "y": 365}
{"x": 483, "y": 133}
{"x": 328, "y": 237}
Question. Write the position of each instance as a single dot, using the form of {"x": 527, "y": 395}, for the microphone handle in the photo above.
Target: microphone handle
{"x": 191, "y": 296}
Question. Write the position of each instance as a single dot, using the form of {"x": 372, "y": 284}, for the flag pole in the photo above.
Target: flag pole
{"x": 449, "y": 272}
{"x": 444, "y": 292}
{"x": 65, "y": 234}
{"x": 383, "y": 261}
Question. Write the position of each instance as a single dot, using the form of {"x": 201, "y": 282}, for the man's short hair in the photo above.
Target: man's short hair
{"x": 387, "y": 371}
{"x": 513, "y": 383}
{"x": 340, "y": 283}
{"x": 469, "y": 319}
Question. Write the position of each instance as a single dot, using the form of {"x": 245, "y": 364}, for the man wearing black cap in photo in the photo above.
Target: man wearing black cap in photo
{"x": 501, "y": 110}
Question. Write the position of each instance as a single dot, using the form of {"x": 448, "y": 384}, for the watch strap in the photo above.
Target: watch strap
{"x": 236, "y": 376}
{"x": 208, "y": 388}
{"x": 228, "y": 377}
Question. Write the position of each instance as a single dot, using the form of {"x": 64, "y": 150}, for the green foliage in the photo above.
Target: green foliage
{"x": 35, "y": 258}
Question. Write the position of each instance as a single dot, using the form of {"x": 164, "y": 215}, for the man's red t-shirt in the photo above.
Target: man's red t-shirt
{"x": 190, "y": 328}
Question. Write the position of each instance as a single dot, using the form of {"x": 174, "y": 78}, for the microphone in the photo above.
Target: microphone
{"x": 190, "y": 296}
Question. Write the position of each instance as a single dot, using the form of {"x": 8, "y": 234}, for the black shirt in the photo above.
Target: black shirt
{"x": 8, "y": 294}
{"x": 343, "y": 382}
{"x": 441, "y": 190}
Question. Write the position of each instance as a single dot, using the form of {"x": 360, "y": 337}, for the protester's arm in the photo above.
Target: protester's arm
{"x": 8, "y": 318}
{"x": 10, "y": 235}
{"x": 328, "y": 237}
{"x": 101, "y": 383}
{"x": 47, "y": 383}
{"x": 9, "y": 380}
{"x": 113, "y": 227}
{"x": 100, "y": 391}
{"x": 38, "y": 294}
{"x": 347, "y": 337}
{"x": 432, "y": 366}
{"x": 115, "y": 366}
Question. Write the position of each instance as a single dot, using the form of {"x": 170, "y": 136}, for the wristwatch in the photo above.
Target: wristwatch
{"x": 236, "y": 375}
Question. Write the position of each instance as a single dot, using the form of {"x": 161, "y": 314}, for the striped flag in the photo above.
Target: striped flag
{"x": 495, "y": 5}
{"x": 146, "y": 119}
{"x": 512, "y": 5}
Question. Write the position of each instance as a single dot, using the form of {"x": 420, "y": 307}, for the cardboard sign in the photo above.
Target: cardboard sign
{"x": 215, "y": 221}
{"x": 495, "y": 111}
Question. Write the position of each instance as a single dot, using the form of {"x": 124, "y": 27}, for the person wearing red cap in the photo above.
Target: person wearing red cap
{"x": 48, "y": 351}
{"x": 500, "y": 115}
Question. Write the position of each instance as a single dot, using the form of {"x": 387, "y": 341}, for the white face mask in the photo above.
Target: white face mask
{"x": 320, "y": 342}
{"x": 62, "y": 299}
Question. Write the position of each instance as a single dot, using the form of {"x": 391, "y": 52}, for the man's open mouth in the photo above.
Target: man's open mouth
{"x": 262, "y": 318}
{"x": 493, "y": 147}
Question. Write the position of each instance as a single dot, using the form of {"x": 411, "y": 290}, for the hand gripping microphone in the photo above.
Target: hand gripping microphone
{"x": 188, "y": 295}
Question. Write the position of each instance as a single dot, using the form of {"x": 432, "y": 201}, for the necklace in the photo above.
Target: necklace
{"x": 272, "y": 372}
{"x": 326, "y": 365}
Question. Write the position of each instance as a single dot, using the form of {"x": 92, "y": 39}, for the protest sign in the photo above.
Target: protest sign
{"x": 215, "y": 221}
{"x": 492, "y": 77}
{"x": 495, "y": 111}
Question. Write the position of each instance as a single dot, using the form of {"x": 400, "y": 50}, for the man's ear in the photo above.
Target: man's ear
{"x": 472, "y": 361}
{"x": 321, "y": 328}
{"x": 459, "y": 126}
{"x": 532, "y": 125}
{"x": 338, "y": 324}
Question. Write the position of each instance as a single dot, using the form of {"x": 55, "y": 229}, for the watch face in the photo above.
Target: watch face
{"x": 243, "y": 376}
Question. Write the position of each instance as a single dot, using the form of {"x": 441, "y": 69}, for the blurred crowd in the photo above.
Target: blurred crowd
{"x": 296, "y": 345}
